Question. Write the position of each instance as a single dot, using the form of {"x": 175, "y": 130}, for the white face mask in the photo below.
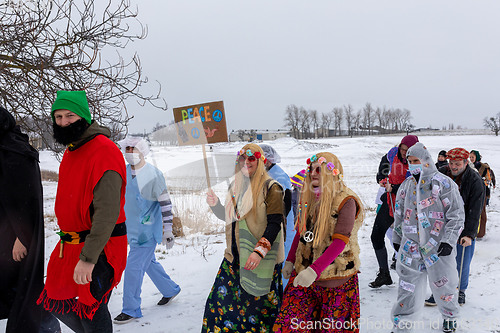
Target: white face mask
{"x": 132, "y": 158}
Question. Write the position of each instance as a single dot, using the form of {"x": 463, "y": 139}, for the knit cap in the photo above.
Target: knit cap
{"x": 74, "y": 101}
{"x": 409, "y": 140}
{"x": 442, "y": 153}
{"x": 457, "y": 154}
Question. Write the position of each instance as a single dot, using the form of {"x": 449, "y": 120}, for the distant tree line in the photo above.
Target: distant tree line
{"x": 342, "y": 121}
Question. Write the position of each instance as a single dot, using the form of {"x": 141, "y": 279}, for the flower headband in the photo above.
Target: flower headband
{"x": 249, "y": 153}
{"x": 322, "y": 160}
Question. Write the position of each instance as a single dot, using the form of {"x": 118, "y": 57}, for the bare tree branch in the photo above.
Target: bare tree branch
{"x": 51, "y": 45}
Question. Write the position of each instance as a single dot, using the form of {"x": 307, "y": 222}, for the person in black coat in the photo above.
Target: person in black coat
{"x": 441, "y": 161}
{"x": 21, "y": 227}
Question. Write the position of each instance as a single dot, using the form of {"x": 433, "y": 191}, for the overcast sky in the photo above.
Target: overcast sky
{"x": 439, "y": 59}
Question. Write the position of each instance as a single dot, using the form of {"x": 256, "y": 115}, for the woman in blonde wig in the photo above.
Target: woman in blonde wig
{"x": 322, "y": 294}
{"x": 247, "y": 292}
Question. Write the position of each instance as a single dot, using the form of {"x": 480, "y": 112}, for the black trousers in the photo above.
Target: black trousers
{"x": 383, "y": 221}
{"x": 102, "y": 277}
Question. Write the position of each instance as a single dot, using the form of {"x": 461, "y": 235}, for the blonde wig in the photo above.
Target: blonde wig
{"x": 257, "y": 180}
{"x": 320, "y": 210}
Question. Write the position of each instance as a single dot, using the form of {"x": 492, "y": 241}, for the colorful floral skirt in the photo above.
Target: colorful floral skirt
{"x": 319, "y": 309}
{"x": 230, "y": 308}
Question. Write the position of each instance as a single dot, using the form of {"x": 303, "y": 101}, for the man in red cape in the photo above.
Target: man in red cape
{"x": 90, "y": 258}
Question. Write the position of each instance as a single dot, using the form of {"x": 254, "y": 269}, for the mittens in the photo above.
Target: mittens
{"x": 168, "y": 236}
{"x": 287, "y": 270}
{"x": 444, "y": 250}
{"x": 305, "y": 278}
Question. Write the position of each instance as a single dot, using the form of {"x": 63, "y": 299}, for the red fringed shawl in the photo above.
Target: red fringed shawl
{"x": 79, "y": 173}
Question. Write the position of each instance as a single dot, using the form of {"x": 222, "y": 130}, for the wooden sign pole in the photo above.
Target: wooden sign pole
{"x": 206, "y": 166}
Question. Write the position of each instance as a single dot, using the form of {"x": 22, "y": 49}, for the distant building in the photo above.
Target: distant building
{"x": 244, "y": 135}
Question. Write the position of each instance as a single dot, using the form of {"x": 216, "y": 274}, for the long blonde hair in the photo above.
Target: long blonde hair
{"x": 331, "y": 185}
{"x": 257, "y": 180}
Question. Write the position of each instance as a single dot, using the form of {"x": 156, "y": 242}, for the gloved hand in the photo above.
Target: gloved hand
{"x": 287, "y": 270}
{"x": 444, "y": 250}
{"x": 305, "y": 278}
{"x": 168, "y": 236}
{"x": 396, "y": 246}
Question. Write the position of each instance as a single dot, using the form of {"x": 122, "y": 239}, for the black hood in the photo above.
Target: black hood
{"x": 11, "y": 137}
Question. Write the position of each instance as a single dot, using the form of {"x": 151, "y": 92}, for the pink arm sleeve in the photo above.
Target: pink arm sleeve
{"x": 332, "y": 251}
{"x": 345, "y": 223}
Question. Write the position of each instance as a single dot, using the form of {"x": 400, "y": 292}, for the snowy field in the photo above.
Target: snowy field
{"x": 194, "y": 260}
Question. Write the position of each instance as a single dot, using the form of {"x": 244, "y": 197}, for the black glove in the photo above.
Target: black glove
{"x": 396, "y": 246}
{"x": 444, "y": 250}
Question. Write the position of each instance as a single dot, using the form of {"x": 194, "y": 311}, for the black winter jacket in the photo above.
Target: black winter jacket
{"x": 472, "y": 190}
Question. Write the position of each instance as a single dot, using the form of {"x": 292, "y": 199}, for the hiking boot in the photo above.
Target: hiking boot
{"x": 393, "y": 264}
{"x": 166, "y": 300}
{"x": 430, "y": 301}
{"x": 123, "y": 318}
{"x": 383, "y": 278}
{"x": 461, "y": 297}
{"x": 449, "y": 325}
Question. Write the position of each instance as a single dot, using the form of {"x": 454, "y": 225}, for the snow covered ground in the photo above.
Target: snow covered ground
{"x": 194, "y": 260}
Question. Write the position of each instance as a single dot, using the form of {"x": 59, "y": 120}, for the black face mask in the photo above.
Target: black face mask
{"x": 70, "y": 133}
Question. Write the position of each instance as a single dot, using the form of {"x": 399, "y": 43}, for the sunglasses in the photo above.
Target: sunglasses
{"x": 317, "y": 170}
{"x": 242, "y": 158}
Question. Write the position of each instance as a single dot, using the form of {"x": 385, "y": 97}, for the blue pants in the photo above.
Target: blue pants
{"x": 290, "y": 235}
{"x": 469, "y": 252}
{"x": 142, "y": 260}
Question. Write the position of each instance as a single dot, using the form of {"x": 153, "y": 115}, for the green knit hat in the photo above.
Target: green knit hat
{"x": 74, "y": 101}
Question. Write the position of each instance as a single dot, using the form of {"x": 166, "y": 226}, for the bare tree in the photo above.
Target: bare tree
{"x": 493, "y": 123}
{"x": 51, "y": 45}
{"x": 158, "y": 127}
{"x": 398, "y": 119}
{"x": 368, "y": 115}
{"x": 241, "y": 134}
{"x": 388, "y": 119}
{"x": 314, "y": 121}
{"x": 349, "y": 115}
{"x": 338, "y": 116}
{"x": 304, "y": 123}
{"x": 357, "y": 120}
{"x": 378, "y": 115}
{"x": 326, "y": 121}
{"x": 292, "y": 119}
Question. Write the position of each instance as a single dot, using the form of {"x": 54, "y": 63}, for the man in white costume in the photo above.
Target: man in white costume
{"x": 428, "y": 219}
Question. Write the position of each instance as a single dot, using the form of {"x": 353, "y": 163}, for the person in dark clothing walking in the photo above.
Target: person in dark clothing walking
{"x": 488, "y": 177}
{"x": 442, "y": 161}
{"x": 21, "y": 227}
{"x": 392, "y": 171}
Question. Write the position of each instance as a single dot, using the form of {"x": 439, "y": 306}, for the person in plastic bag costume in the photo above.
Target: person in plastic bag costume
{"x": 429, "y": 217}
{"x": 149, "y": 222}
